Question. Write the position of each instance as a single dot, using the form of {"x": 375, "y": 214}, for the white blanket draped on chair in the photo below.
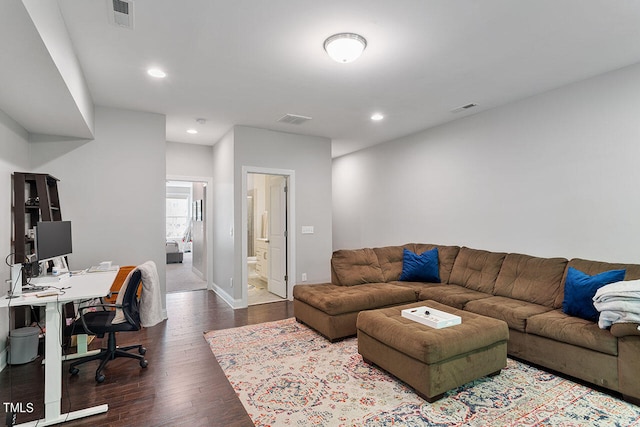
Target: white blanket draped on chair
{"x": 151, "y": 312}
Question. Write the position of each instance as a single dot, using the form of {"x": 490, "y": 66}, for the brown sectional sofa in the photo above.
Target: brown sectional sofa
{"x": 524, "y": 291}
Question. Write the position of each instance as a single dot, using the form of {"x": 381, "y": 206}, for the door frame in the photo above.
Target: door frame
{"x": 291, "y": 227}
{"x": 208, "y": 218}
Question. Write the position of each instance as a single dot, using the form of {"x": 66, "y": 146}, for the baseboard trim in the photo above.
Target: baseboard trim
{"x": 233, "y": 303}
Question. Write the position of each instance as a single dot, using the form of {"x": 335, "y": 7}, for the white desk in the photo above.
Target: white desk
{"x": 85, "y": 286}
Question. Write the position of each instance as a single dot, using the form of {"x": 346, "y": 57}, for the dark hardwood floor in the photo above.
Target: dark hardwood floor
{"x": 182, "y": 386}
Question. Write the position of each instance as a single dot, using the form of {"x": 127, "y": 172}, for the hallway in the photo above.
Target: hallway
{"x": 181, "y": 278}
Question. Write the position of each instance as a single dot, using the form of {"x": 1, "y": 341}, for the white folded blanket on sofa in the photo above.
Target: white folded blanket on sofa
{"x": 608, "y": 318}
{"x": 618, "y": 303}
{"x": 626, "y": 288}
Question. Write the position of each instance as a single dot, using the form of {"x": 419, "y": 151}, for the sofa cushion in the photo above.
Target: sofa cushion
{"x": 564, "y": 328}
{"x": 391, "y": 257}
{"x": 532, "y": 279}
{"x": 390, "y": 260}
{"x": 476, "y": 269}
{"x": 420, "y": 268}
{"x": 335, "y": 299}
{"x": 595, "y": 267}
{"x": 355, "y": 267}
{"x": 451, "y": 295}
{"x": 580, "y": 288}
{"x": 513, "y": 311}
{"x": 416, "y": 286}
{"x": 446, "y": 257}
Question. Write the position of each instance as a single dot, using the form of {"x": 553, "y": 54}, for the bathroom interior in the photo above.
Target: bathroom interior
{"x": 257, "y": 240}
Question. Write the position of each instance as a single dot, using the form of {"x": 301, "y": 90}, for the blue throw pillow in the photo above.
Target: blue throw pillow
{"x": 420, "y": 268}
{"x": 580, "y": 288}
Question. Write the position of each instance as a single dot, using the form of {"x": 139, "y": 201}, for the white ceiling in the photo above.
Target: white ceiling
{"x": 249, "y": 62}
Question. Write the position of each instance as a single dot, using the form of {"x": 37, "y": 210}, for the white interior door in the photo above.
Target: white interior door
{"x": 277, "y": 257}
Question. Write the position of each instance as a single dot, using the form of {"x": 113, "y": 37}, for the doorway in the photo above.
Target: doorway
{"x": 267, "y": 222}
{"x": 186, "y": 235}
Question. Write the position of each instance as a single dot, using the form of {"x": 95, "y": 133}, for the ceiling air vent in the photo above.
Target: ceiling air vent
{"x": 464, "y": 107}
{"x": 294, "y": 119}
{"x": 121, "y": 13}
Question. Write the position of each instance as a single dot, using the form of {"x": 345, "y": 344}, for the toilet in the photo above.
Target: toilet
{"x": 251, "y": 267}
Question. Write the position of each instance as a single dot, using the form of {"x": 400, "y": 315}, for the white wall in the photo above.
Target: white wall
{"x": 112, "y": 188}
{"x": 199, "y": 233}
{"x": 310, "y": 158}
{"x": 552, "y": 175}
{"x": 189, "y": 159}
{"x": 222, "y": 256}
{"x": 14, "y": 157}
{"x": 50, "y": 24}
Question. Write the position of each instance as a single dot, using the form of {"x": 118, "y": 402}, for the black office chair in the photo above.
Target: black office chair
{"x": 100, "y": 323}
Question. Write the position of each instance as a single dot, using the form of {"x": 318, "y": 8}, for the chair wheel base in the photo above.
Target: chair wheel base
{"x": 144, "y": 363}
{"x": 142, "y": 350}
{"x": 74, "y": 371}
{"x": 99, "y": 378}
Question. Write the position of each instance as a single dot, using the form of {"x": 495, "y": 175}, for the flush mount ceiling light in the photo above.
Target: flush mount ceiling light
{"x": 345, "y": 47}
{"x": 376, "y": 117}
{"x": 192, "y": 131}
{"x": 157, "y": 73}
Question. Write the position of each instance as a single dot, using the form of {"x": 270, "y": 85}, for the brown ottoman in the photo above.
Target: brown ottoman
{"x": 332, "y": 310}
{"x": 432, "y": 361}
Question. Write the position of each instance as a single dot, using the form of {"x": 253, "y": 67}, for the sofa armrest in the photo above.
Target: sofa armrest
{"x": 625, "y": 329}
{"x": 628, "y": 367}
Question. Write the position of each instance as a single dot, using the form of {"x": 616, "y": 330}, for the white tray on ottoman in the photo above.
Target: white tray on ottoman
{"x": 431, "y": 317}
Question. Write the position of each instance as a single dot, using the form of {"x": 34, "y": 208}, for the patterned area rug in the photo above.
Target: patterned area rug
{"x": 285, "y": 374}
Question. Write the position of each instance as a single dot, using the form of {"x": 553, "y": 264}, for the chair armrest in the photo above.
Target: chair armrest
{"x": 108, "y": 296}
{"x": 83, "y": 309}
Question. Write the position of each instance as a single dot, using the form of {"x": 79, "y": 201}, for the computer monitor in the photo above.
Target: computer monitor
{"x": 53, "y": 240}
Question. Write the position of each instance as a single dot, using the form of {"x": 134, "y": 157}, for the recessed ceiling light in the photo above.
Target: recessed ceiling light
{"x": 345, "y": 47}
{"x": 157, "y": 73}
{"x": 192, "y": 131}
{"x": 377, "y": 117}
